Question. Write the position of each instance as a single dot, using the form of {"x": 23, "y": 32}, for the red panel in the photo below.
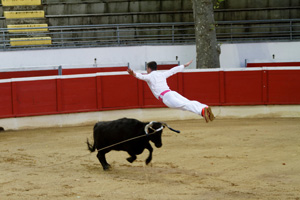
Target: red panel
{"x": 113, "y": 69}
{"x": 243, "y": 87}
{"x": 92, "y": 70}
{"x": 5, "y": 100}
{"x": 35, "y": 97}
{"x": 123, "y": 91}
{"x": 202, "y": 86}
{"x": 79, "y": 71}
{"x": 274, "y": 64}
{"x": 149, "y": 98}
{"x": 119, "y": 91}
{"x": 166, "y": 67}
{"x": 284, "y": 87}
{"x": 79, "y": 94}
{"x": 21, "y": 74}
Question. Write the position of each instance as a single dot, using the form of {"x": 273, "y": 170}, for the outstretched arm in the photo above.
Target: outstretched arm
{"x": 138, "y": 75}
{"x": 131, "y": 72}
{"x": 177, "y": 69}
{"x": 188, "y": 63}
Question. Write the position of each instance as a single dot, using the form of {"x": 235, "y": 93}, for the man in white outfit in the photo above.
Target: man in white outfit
{"x": 157, "y": 82}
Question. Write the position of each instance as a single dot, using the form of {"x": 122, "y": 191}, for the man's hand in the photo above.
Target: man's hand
{"x": 131, "y": 72}
{"x": 188, "y": 63}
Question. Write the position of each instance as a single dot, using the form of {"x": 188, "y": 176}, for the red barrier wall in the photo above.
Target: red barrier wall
{"x": 166, "y": 66}
{"x": 283, "y": 87}
{"x": 92, "y": 70}
{"x": 202, "y": 86}
{"x": 69, "y": 94}
{"x": 67, "y": 71}
{"x": 6, "y": 100}
{"x": 34, "y": 97}
{"x": 273, "y": 64}
{"x": 78, "y": 94}
{"x": 243, "y": 88}
{"x": 118, "y": 92}
{"x": 21, "y": 74}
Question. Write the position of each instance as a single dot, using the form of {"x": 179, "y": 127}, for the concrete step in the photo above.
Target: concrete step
{"x": 24, "y": 14}
{"x": 20, "y": 2}
{"x": 26, "y": 21}
{"x": 29, "y": 41}
{"x": 31, "y": 26}
{"x": 22, "y": 8}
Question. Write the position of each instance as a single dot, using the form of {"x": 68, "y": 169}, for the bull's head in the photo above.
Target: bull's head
{"x": 161, "y": 126}
{"x": 155, "y": 130}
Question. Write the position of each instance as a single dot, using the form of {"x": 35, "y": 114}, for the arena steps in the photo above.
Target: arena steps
{"x": 24, "y": 8}
{"x": 26, "y": 23}
{"x": 24, "y": 14}
{"x": 21, "y": 2}
{"x": 39, "y": 28}
{"x": 30, "y": 41}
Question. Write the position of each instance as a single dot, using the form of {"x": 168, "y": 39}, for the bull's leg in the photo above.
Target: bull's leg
{"x": 131, "y": 158}
{"x": 149, "y": 147}
{"x": 102, "y": 159}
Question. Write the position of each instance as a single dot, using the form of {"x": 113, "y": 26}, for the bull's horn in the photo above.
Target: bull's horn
{"x": 165, "y": 124}
{"x": 150, "y": 126}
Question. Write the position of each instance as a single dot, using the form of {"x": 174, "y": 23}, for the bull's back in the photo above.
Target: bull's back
{"x": 110, "y": 132}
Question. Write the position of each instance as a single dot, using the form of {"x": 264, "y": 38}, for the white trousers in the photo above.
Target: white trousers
{"x": 173, "y": 99}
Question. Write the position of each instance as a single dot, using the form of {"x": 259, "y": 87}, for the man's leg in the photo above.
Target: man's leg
{"x": 208, "y": 114}
{"x": 174, "y": 100}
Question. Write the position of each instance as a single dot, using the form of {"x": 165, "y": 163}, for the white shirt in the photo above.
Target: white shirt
{"x": 157, "y": 80}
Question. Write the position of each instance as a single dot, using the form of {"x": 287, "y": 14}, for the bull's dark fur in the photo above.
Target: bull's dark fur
{"x": 111, "y": 132}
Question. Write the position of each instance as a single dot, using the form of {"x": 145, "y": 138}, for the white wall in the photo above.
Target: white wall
{"x": 232, "y": 55}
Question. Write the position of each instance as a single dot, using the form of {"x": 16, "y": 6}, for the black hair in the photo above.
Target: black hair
{"x": 152, "y": 65}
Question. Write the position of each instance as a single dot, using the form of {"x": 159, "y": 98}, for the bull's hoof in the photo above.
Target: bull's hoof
{"x": 130, "y": 159}
{"x": 148, "y": 161}
{"x": 106, "y": 167}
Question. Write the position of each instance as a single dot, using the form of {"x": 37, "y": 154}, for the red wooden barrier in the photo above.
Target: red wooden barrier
{"x": 243, "y": 87}
{"x": 65, "y": 71}
{"x": 165, "y": 66}
{"x": 274, "y": 64}
{"x": 82, "y": 93}
{"x": 34, "y": 97}
{"x": 202, "y": 86}
{"x": 78, "y": 94}
{"x": 21, "y": 74}
{"x": 284, "y": 87}
{"x": 6, "y": 109}
{"x": 119, "y": 92}
{"x": 92, "y": 70}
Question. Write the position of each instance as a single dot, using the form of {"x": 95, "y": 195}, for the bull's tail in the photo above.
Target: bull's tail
{"x": 91, "y": 147}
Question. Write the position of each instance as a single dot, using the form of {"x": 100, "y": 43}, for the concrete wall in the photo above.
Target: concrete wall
{"x": 153, "y": 114}
{"x": 257, "y": 10}
{"x": 118, "y": 12}
{"x": 232, "y": 55}
{"x": 124, "y": 11}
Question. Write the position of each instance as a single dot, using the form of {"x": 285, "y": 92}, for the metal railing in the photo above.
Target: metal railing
{"x": 152, "y": 34}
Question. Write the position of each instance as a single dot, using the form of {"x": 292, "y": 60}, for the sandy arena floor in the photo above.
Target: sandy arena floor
{"x": 225, "y": 159}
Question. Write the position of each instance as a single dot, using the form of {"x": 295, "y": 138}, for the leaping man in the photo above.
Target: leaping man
{"x": 157, "y": 82}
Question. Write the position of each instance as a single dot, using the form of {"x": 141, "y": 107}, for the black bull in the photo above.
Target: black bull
{"x": 128, "y": 135}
